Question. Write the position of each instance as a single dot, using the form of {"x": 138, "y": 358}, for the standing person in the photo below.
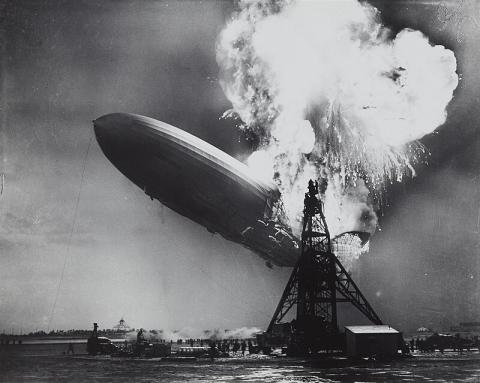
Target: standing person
{"x": 250, "y": 346}
{"x": 212, "y": 350}
{"x": 244, "y": 347}
{"x": 236, "y": 347}
{"x": 140, "y": 336}
{"x": 70, "y": 349}
{"x": 227, "y": 347}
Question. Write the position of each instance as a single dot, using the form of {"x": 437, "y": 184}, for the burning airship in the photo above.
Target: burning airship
{"x": 198, "y": 181}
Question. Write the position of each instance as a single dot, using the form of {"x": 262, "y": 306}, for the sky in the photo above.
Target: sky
{"x": 65, "y": 210}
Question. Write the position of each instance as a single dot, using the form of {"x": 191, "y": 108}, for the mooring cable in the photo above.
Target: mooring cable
{"x": 67, "y": 253}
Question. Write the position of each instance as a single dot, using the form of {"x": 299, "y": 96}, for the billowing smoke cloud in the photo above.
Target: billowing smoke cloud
{"x": 190, "y": 333}
{"x": 349, "y": 209}
{"x": 327, "y": 92}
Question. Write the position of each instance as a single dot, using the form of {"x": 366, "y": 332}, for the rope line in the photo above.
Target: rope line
{"x": 67, "y": 253}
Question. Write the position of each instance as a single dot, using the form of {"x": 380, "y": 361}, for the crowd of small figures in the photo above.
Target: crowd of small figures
{"x": 442, "y": 342}
{"x": 192, "y": 348}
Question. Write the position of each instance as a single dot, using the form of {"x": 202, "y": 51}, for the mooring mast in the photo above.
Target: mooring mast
{"x": 317, "y": 283}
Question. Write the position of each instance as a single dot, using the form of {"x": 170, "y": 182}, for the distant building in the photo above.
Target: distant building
{"x": 378, "y": 340}
{"x": 122, "y": 326}
{"x": 422, "y": 332}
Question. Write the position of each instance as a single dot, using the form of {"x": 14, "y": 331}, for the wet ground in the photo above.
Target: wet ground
{"x": 46, "y": 363}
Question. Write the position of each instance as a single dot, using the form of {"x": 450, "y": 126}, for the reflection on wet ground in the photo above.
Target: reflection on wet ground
{"x": 46, "y": 365}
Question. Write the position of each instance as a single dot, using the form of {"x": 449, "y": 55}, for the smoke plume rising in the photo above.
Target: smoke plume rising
{"x": 190, "y": 333}
{"x": 326, "y": 91}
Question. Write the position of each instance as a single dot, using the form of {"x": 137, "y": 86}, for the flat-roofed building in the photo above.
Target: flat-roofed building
{"x": 375, "y": 340}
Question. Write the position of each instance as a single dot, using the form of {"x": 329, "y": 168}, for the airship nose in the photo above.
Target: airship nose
{"x": 122, "y": 142}
{"x": 103, "y": 127}
{"x": 100, "y": 128}
{"x": 111, "y": 133}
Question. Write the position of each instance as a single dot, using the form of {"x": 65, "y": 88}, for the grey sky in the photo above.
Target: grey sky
{"x": 65, "y": 63}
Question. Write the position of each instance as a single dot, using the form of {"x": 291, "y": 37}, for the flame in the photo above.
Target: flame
{"x": 329, "y": 92}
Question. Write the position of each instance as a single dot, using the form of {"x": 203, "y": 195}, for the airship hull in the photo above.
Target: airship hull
{"x": 196, "y": 180}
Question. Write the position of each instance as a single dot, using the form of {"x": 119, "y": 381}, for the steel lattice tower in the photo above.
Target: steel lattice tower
{"x": 317, "y": 283}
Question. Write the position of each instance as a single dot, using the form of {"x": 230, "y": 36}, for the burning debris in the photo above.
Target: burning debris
{"x": 349, "y": 246}
{"x": 327, "y": 92}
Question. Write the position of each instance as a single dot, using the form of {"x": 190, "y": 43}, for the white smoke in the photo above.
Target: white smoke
{"x": 329, "y": 92}
{"x": 238, "y": 333}
{"x": 349, "y": 208}
{"x": 191, "y": 333}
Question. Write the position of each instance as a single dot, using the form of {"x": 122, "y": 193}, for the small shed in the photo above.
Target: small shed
{"x": 378, "y": 340}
